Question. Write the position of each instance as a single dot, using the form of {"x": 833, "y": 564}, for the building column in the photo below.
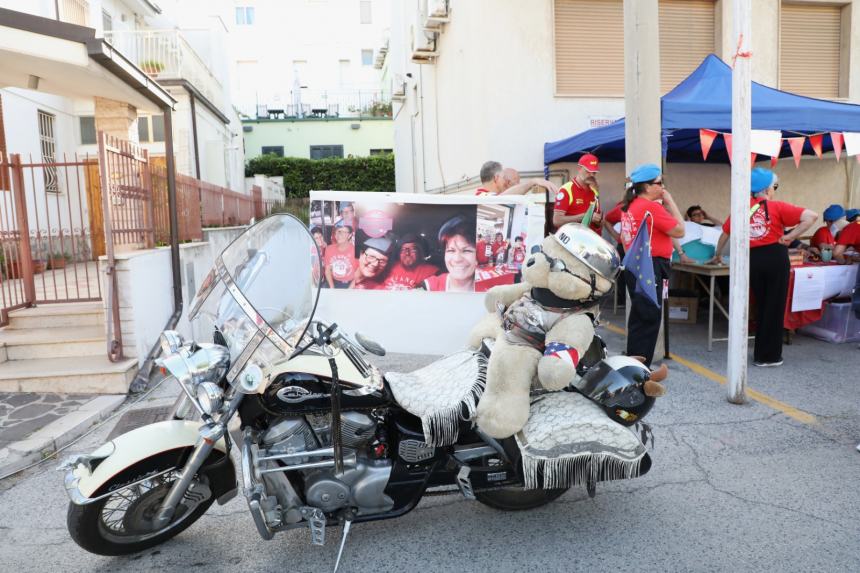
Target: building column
{"x": 117, "y": 119}
{"x": 642, "y": 142}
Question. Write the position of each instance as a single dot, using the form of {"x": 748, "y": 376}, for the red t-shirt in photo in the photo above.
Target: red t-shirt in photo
{"x": 484, "y": 251}
{"x": 498, "y": 246}
{"x": 850, "y": 235}
{"x": 342, "y": 264}
{"x": 662, "y": 223}
{"x": 822, "y": 236}
{"x": 401, "y": 278}
{"x": 482, "y": 191}
{"x": 573, "y": 199}
{"x": 768, "y": 221}
{"x": 439, "y": 283}
{"x": 368, "y": 284}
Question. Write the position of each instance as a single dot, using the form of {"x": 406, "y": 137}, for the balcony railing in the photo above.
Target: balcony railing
{"x": 166, "y": 54}
{"x": 73, "y": 11}
{"x": 323, "y": 104}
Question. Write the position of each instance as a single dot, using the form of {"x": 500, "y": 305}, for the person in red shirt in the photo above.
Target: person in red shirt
{"x": 769, "y": 266}
{"x": 641, "y": 206}
{"x": 496, "y": 180}
{"x": 457, "y": 240}
{"x": 339, "y": 259}
{"x": 849, "y": 236}
{"x": 484, "y": 249}
{"x": 499, "y": 246}
{"x": 410, "y": 270}
{"x": 371, "y": 264}
{"x": 823, "y": 237}
{"x": 577, "y": 195}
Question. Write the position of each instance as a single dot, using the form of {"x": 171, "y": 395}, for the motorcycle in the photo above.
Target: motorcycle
{"x": 323, "y": 438}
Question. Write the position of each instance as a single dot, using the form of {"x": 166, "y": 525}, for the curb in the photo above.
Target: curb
{"x": 44, "y": 443}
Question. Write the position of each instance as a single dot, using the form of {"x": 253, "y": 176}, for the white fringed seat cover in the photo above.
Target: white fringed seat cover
{"x": 442, "y": 394}
{"x": 568, "y": 439}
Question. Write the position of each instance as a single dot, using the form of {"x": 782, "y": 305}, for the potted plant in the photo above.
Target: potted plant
{"x": 152, "y": 67}
{"x": 39, "y": 266}
{"x": 58, "y": 260}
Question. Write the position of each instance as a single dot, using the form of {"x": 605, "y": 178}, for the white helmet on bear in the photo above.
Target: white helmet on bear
{"x": 589, "y": 248}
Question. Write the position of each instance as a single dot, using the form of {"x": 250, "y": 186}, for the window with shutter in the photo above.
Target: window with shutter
{"x": 589, "y": 47}
{"x": 809, "y": 49}
{"x": 686, "y": 37}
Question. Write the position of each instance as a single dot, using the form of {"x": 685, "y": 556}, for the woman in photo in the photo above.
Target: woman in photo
{"x": 340, "y": 261}
{"x": 457, "y": 240}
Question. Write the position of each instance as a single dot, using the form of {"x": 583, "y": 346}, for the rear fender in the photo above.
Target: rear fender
{"x": 144, "y": 453}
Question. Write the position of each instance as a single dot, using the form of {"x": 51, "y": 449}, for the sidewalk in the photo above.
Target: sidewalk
{"x": 35, "y": 426}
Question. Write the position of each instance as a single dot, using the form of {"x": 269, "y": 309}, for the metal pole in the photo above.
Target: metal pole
{"x": 740, "y": 230}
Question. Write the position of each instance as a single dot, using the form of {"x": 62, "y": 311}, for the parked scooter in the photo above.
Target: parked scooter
{"x": 326, "y": 439}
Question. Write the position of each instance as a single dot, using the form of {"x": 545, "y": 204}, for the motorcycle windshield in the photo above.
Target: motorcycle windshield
{"x": 260, "y": 295}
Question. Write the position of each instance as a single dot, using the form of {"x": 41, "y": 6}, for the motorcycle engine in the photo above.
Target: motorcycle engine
{"x": 362, "y": 484}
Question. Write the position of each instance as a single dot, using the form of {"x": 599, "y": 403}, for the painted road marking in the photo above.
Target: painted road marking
{"x": 755, "y": 395}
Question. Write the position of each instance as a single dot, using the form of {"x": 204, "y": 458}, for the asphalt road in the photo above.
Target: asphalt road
{"x": 733, "y": 488}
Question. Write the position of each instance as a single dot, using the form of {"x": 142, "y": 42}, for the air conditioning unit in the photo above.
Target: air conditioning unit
{"x": 434, "y": 14}
{"x": 423, "y": 45}
{"x": 398, "y": 87}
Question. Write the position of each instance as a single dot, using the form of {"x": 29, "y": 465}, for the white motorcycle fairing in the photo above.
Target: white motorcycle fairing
{"x": 87, "y": 475}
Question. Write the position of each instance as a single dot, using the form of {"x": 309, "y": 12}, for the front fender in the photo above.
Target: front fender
{"x": 136, "y": 455}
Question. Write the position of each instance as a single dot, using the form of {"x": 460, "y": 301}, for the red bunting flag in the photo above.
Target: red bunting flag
{"x": 796, "y": 144}
{"x": 815, "y": 141}
{"x": 706, "y": 137}
{"x": 727, "y": 137}
{"x": 773, "y": 161}
{"x": 752, "y": 158}
{"x": 836, "y": 138}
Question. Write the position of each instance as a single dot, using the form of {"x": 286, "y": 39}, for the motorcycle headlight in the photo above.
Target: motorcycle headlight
{"x": 210, "y": 397}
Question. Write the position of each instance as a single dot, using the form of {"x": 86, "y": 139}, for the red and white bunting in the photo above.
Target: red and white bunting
{"x": 773, "y": 161}
{"x": 815, "y": 141}
{"x": 852, "y": 143}
{"x": 752, "y": 158}
{"x": 706, "y": 138}
{"x": 796, "y": 144}
{"x": 727, "y": 138}
{"x": 836, "y": 138}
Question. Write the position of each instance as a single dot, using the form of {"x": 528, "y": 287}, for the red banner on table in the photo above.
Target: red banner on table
{"x": 836, "y": 138}
{"x": 706, "y": 137}
{"x": 815, "y": 141}
{"x": 796, "y": 144}
{"x": 727, "y": 137}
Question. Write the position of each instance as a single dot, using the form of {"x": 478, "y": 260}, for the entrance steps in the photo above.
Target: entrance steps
{"x": 60, "y": 348}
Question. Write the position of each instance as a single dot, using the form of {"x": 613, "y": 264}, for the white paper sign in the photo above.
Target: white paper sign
{"x": 765, "y": 142}
{"x": 808, "y": 290}
{"x": 711, "y": 235}
{"x": 852, "y": 143}
{"x": 692, "y": 232}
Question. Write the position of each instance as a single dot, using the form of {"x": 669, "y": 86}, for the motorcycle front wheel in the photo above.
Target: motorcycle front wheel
{"x": 122, "y": 523}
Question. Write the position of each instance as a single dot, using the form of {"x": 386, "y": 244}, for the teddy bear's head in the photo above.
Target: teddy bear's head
{"x": 566, "y": 274}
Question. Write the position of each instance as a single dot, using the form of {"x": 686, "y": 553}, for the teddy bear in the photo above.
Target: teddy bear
{"x": 543, "y": 325}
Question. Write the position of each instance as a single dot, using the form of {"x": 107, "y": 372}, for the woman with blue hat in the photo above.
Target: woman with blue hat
{"x": 824, "y": 237}
{"x": 769, "y": 266}
{"x": 642, "y": 202}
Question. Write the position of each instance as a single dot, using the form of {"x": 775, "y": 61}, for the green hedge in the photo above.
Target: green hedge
{"x": 374, "y": 173}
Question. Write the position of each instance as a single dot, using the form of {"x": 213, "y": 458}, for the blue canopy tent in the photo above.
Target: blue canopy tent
{"x": 704, "y": 100}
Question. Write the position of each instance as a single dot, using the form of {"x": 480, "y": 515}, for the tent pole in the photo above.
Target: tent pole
{"x": 740, "y": 226}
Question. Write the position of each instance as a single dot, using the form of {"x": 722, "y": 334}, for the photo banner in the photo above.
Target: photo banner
{"x": 412, "y": 251}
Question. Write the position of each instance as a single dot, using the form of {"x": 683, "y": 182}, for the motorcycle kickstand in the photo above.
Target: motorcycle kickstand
{"x": 347, "y": 524}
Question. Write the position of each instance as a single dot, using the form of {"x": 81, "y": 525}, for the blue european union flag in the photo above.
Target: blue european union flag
{"x": 638, "y": 261}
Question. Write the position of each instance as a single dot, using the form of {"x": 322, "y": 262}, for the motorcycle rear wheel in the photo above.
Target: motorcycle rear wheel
{"x": 517, "y": 499}
{"x": 117, "y": 525}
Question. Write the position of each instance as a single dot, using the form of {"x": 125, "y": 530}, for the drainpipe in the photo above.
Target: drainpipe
{"x": 140, "y": 381}
{"x": 194, "y": 131}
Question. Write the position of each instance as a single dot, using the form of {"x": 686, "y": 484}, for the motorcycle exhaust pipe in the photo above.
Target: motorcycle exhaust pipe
{"x": 349, "y": 460}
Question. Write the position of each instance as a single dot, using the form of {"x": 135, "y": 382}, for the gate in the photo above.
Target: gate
{"x": 46, "y": 245}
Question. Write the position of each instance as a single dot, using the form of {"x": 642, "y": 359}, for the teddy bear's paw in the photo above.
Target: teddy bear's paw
{"x": 555, "y": 373}
{"x": 502, "y": 423}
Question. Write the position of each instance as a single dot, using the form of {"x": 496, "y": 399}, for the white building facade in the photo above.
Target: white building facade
{"x": 478, "y": 80}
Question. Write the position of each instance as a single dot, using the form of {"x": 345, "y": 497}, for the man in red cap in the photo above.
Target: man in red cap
{"x": 576, "y": 196}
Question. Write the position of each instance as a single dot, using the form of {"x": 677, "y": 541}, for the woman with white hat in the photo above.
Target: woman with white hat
{"x": 769, "y": 266}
